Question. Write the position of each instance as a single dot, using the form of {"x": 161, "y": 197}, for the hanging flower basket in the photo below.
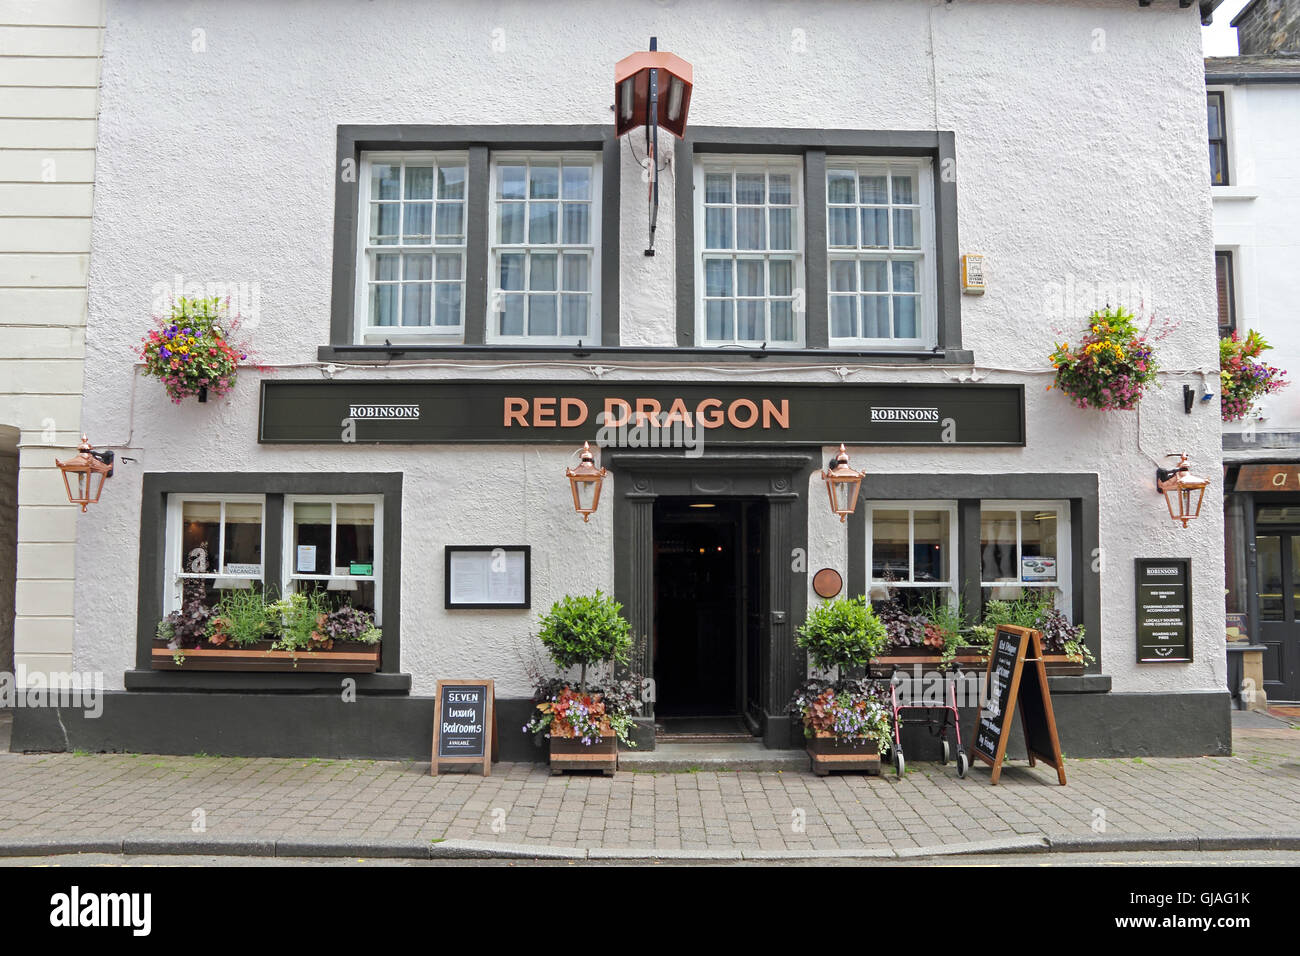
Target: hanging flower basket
{"x": 1112, "y": 367}
{"x": 1243, "y": 380}
{"x": 192, "y": 350}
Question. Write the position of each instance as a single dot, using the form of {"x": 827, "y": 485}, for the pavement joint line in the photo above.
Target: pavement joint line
{"x": 156, "y": 845}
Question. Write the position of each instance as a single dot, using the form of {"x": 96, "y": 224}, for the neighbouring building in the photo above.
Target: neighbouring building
{"x": 440, "y": 249}
{"x": 49, "y": 83}
{"x": 1254, "y": 127}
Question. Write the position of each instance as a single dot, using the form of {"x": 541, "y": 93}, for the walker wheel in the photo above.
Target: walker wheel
{"x": 946, "y": 753}
{"x": 963, "y": 763}
{"x": 900, "y": 766}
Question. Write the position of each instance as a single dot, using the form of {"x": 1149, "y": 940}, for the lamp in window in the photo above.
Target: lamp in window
{"x": 84, "y": 474}
{"x": 843, "y": 484}
{"x": 1183, "y": 491}
{"x": 585, "y": 482}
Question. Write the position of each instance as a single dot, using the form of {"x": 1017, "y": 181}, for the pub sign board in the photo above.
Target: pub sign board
{"x": 1164, "y": 610}
{"x": 639, "y": 414}
{"x": 464, "y": 724}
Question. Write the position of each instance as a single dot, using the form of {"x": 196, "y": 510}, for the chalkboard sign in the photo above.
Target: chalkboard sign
{"x": 1016, "y": 677}
{"x": 1164, "y": 610}
{"x": 464, "y": 725}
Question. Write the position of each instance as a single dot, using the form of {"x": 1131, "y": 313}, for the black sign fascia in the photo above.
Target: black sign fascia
{"x": 1164, "y": 610}
{"x": 533, "y": 412}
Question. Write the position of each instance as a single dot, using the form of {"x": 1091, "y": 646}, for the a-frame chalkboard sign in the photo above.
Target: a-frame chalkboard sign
{"x": 464, "y": 725}
{"x": 1016, "y": 677}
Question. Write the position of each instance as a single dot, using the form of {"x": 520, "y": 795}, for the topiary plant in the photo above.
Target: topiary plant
{"x": 842, "y": 633}
{"x": 582, "y": 630}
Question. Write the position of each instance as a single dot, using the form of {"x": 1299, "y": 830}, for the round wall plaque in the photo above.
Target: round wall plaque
{"x": 827, "y": 582}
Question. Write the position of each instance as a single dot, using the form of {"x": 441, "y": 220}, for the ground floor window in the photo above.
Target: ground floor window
{"x": 216, "y": 542}
{"x": 912, "y": 548}
{"x": 332, "y": 546}
{"x": 1025, "y": 551}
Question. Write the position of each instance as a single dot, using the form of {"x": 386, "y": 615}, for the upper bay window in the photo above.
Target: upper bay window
{"x": 750, "y": 242}
{"x": 411, "y": 249}
{"x": 880, "y": 250}
{"x": 544, "y": 242}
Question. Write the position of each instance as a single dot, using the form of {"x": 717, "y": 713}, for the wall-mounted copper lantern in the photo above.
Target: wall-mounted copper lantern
{"x": 90, "y": 468}
{"x": 843, "y": 484}
{"x": 585, "y": 481}
{"x": 1183, "y": 491}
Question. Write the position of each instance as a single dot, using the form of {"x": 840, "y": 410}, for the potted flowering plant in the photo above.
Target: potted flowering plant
{"x": 584, "y": 725}
{"x": 191, "y": 350}
{"x": 936, "y": 634}
{"x": 845, "y": 721}
{"x": 1243, "y": 378}
{"x": 1064, "y": 652}
{"x": 1113, "y": 366}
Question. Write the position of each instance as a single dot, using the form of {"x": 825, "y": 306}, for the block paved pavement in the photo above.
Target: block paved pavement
{"x": 107, "y": 796}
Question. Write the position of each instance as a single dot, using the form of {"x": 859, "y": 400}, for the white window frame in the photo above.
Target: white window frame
{"x": 953, "y": 585}
{"x": 288, "y": 566}
{"x": 924, "y": 256}
{"x": 592, "y": 247}
{"x": 1063, "y": 585}
{"x": 376, "y": 334}
{"x": 732, "y": 163}
{"x": 173, "y": 559}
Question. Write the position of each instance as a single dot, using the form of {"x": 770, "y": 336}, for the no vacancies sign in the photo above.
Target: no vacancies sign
{"x": 638, "y": 413}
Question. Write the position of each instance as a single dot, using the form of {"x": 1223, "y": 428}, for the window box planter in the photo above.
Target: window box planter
{"x": 1060, "y": 665}
{"x": 570, "y": 753}
{"x": 967, "y": 658}
{"x": 346, "y": 657}
{"x": 830, "y": 753}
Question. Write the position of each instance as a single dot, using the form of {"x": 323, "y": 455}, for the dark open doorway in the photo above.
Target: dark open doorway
{"x": 709, "y": 599}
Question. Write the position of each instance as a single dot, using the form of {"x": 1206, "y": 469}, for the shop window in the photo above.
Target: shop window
{"x": 880, "y": 250}
{"x": 333, "y": 546}
{"x": 544, "y": 241}
{"x": 215, "y": 541}
{"x": 1218, "y": 127}
{"x": 750, "y": 260}
{"x": 411, "y": 248}
{"x": 912, "y": 548}
{"x": 1025, "y": 550}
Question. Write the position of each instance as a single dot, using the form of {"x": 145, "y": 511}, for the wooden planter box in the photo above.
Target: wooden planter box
{"x": 570, "y": 753}
{"x": 967, "y": 658}
{"x": 1058, "y": 665}
{"x": 828, "y": 753}
{"x": 346, "y": 657}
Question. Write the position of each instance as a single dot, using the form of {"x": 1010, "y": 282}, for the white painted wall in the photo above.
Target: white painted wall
{"x": 1257, "y": 217}
{"x": 49, "y": 77}
{"x": 1080, "y": 133}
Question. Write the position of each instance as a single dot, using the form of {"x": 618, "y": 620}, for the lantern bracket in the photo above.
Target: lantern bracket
{"x": 106, "y": 458}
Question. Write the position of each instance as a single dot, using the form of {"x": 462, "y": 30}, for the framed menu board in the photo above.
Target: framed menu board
{"x": 1164, "y": 610}
{"x": 487, "y": 576}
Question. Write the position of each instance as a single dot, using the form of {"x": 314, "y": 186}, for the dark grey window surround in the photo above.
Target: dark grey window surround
{"x": 815, "y": 145}
{"x": 480, "y": 140}
{"x": 275, "y": 485}
{"x": 1079, "y": 489}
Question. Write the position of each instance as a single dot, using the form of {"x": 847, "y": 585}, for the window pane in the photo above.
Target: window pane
{"x": 842, "y": 275}
{"x": 200, "y": 536}
{"x": 749, "y": 321}
{"x": 385, "y": 181}
{"x": 904, "y": 275}
{"x": 577, "y": 182}
{"x": 449, "y": 266}
{"x": 717, "y": 187}
{"x": 839, "y": 185}
{"x": 451, "y": 182}
{"x": 889, "y": 536}
{"x": 419, "y": 182}
{"x": 875, "y": 228}
{"x": 542, "y": 272}
{"x": 510, "y": 223}
{"x": 998, "y": 546}
{"x": 783, "y": 324}
{"x": 781, "y": 224}
{"x": 417, "y": 302}
{"x": 749, "y": 277}
{"x": 1268, "y": 551}
{"x": 354, "y": 536}
{"x": 749, "y": 229}
{"x": 873, "y": 189}
{"x": 417, "y": 267}
{"x": 542, "y": 222}
{"x": 875, "y": 317}
{"x": 842, "y": 224}
{"x": 718, "y": 321}
{"x": 386, "y": 266}
{"x": 1218, "y": 165}
{"x": 1038, "y": 545}
{"x": 311, "y": 529}
{"x": 874, "y": 277}
{"x": 905, "y": 236}
{"x": 1214, "y": 117}
{"x": 447, "y": 304}
{"x": 385, "y": 221}
{"x": 717, "y": 277}
{"x": 843, "y": 321}
{"x": 541, "y": 315}
{"x": 544, "y": 182}
{"x": 750, "y": 188}
{"x": 577, "y": 273}
{"x": 905, "y": 317}
{"x": 780, "y": 277}
{"x": 511, "y": 182}
{"x": 418, "y": 219}
{"x": 511, "y": 274}
{"x": 512, "y": 315}
{"x": 904, "y": 189}
{"x": 383, "y": 304}
{"x": 778, "y": 189}
{"x": 577, "y": 222}
{"x": 243, "y": 533}
{"x": 930, "y": 546}
{"x": 451, "y": 221}
{"x": 717, "y": 229}
{"x": 573, "y": 317}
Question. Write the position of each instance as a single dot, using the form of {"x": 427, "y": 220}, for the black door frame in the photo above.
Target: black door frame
{"x": 1288, "y": 683}
{"x": 778, "y": 475}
